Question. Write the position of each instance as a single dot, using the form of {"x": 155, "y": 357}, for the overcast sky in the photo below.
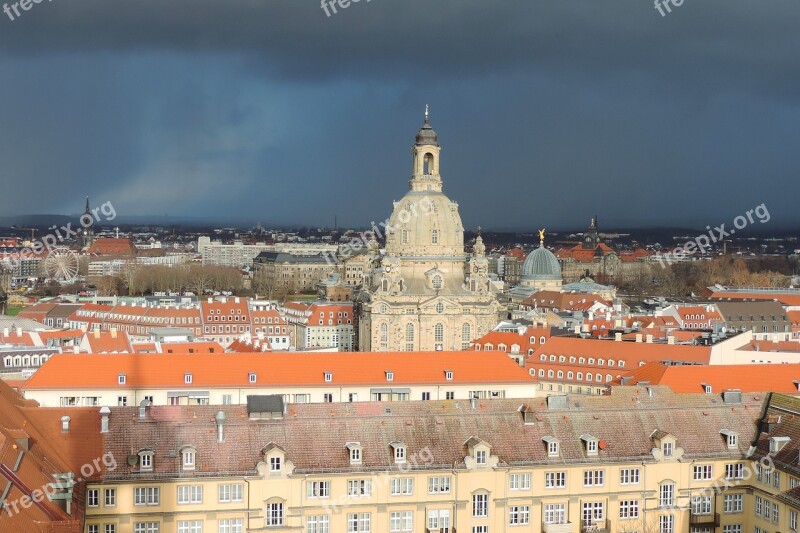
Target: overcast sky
{"x": 548, "y": 111}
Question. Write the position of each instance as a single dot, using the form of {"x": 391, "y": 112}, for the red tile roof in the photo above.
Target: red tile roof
{"x": 68, "y": 371}
{"x": 110, "y": 246}
{"x": 693, "y": 378}
{"x": 631, "y": 353}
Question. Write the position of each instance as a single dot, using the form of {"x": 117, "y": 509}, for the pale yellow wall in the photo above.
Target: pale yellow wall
{"x": 290, "y": 489}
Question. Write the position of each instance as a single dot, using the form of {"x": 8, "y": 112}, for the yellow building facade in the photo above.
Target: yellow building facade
{"x": 630, "y": 462}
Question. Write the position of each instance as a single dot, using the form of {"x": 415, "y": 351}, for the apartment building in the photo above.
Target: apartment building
{"x": 321, "y": 324}
{"x": 661, "y": 463}
{"x": 219, "y": 379}
{"x": 221, "y": 320}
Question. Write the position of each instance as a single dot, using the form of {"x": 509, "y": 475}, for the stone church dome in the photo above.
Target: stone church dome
{"x": 541, "y": 264}
{"x": 425, "y": 222}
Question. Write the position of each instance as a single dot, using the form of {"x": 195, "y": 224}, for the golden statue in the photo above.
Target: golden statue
{"x": 541, "y": 236}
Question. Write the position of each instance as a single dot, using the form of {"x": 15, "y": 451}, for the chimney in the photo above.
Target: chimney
{"x": 65, "y": 424}
{"x": 591, "y": 315}
{"x": 236, "y": 300}
{"x": 143, "y": 409}
{"x": 220, "y": 419}
{"x": 97, "y": 334}
{"x": 105, "y": 412}
{"x": 19, "y": 332}
{"x": 608, "y": 317}
{"x": 649, "y": 339}
{"x": 473, "y": 402}
{"x": 210, "y": 300}
{"x": 5, "y": 332}
{"x": 113, "y": 333}
{"x": 577, "y": 330}
{"x": 76, "y": 349}
{"x": 638, "y": 337}
{"x": 618, "y": 336}
{"x": 671, "y": 339}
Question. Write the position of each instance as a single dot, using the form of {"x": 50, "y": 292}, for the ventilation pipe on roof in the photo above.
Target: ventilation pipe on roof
{"x": 638, "y": 337}
{"x": 220, "y": 419}
{"x": 105, "y": 412}
{"x": 113, "y": 333}
{"x": 671, "y": 339}
{"x": 19, "y": 332}
{"x": 649, "y": 339}
{"x": 618, "y": 336}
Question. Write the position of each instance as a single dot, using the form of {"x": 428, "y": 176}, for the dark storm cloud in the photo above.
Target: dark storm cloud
{"x": 549, "y": 111}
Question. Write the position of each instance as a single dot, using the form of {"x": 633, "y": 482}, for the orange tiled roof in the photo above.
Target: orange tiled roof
{"x": 108, "y": 342}
{"x": 68, "y": 371}
{"x": 111, "y": 246}
{"x": 770, "y": 346}
{"x": 693, "y": 378}
{"x": 631, "y": 353}
{"x": 509, "y": 338}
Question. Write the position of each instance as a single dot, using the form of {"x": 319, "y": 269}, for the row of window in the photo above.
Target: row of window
{"x": 570, "y": 375}
{"x": 580, "y": 360}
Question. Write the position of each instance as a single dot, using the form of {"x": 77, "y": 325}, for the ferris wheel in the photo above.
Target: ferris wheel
{"x": 61, "y": 265}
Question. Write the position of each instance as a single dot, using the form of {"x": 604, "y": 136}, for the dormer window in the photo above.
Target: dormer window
{"x": 328, "y": 377}
{"x": 448, "y": 375}
{"x": 708, "y": 389}
{"x": 121, "y": 379}
{"x": 552, "y": 446}
{"x": 776, "y": 444}
{"x": 667, "y": 448}
{"x": 187, "y": 379}
{"x": 591, "y": 444}
{"x": 399, "y": 452}
{"x": 251, "y": 377}
{"x": 389, "y": 375}
{"x": 354, "y": 449}
{"x": 145, "y": 461}
{"x": 731, "y": 438}
{"x": 480, "y": 457}
{"x": 188, "y": 456}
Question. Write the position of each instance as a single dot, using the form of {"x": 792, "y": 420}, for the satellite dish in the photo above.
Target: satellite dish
{"x": 133, "y": 459}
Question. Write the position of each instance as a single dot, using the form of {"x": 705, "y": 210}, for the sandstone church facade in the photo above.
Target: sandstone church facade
{"x": 425, "y": 292}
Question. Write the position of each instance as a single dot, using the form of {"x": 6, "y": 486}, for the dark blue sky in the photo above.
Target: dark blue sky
{"x": 548, "y": 111}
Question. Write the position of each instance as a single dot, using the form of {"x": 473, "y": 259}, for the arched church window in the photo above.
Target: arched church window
{"x": 440, "y": 308}
{"x": 435, "y": 236}
{"x": 409, "y": 332}
{"x": 466, "y": 333}
{"x": 438, "y": 333}
{"x": 437, "y": 282}
{"x": 385, "y": 284}
{"x": 404, "y": 236}
{"x": 384, "y": 333}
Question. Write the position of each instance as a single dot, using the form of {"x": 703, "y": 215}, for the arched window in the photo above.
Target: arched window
{"x": 466, "y": 335}
{"x": 560, "y": 374}
{"x": 427, "y": 164}
{"x": 570, "y": 375}
{"x": 384, "y": 333}
{"x": 409, "y": 332}
{"x": 608, "y": 377}
{"x": 580, "y": 375}
{"x": 599, "y": 378}
{"x": 437, "y": 282}
{"x": 435, "y": 236}
{"x": 542, "y": 339}
{"x": 549, "y": 373}
{"x": 438, "y": 333}
{"x": 541, "y": 372}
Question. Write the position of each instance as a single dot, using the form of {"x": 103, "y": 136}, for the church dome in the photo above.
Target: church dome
{"x": 425, "y": 223}
{"x": 541, "y": 264}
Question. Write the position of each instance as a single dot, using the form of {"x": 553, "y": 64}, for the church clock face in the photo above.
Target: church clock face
{"x": 387, "y": 268}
